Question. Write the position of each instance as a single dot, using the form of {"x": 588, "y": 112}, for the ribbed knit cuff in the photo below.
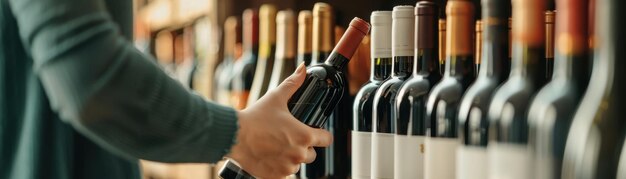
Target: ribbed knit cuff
{"x": 223, "y": 129}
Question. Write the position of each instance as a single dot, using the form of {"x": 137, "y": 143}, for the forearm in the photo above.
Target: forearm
{"x": 113, "y": 94}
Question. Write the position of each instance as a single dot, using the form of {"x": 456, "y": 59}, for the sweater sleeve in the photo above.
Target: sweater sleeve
{"x": 110, "y": 92}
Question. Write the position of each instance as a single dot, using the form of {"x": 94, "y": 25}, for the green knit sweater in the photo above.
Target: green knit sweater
{"x": 77, "y": 100}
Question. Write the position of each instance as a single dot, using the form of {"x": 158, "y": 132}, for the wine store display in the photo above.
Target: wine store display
{"x": 458, "y": 89}
{"x": 323, "y": 87}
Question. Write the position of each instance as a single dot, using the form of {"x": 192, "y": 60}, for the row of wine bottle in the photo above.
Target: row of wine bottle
{"x": 319, "y": 98}
{"x": 533, "y": 114}
{"x": 517, "y": 104}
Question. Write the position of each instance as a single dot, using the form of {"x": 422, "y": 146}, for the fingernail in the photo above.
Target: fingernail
{"x": 300, "y": 68}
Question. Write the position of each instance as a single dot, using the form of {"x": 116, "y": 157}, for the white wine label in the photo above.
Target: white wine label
{"x": 361, "y": 155}
{"x": 471, "y": 162}
{"x": 382, "y": 156}
{"x": 409, "y": 157}
{"x": 440, "y": 158}
{"x": 509, "y": 161}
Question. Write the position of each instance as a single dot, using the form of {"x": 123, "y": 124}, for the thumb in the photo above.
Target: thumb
{"x": 288, "y": 87}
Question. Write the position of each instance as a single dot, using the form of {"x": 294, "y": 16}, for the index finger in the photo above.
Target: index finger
{"x": 321, "y": 137}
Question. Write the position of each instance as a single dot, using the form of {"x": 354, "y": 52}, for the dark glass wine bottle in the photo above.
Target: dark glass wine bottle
{"x": 478, "y": 46}
{"x": 442, "y": 44}
{"x": 508, "y": 125}
{"x": 552, "y": 109}
{"x": 362, "y": 109}
{"x": 305, "y": 32}
{"x": 285, "y": 62}
{"x": 244, "y": 67}
{"x": 495, "y": 64}
{"x": 443, "y": 101}
{"x": 411, "y": 99}
{"x": 403, "y": 25}
{"x": 322, "y": 44}
{"x": 550, "y": 21}
{"x": 317, "y": 97}
{"x": 323, "y": 26}
{"x": 322, "y": 89}
{"x": 267, "y": 52}
{"x": 224, "y": 71}
{"x": 510, "y": 40}
{"x": 596, "y": 136}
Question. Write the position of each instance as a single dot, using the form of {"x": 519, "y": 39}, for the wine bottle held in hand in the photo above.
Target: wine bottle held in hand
{"x": 322, "y": 43}
{"x": 322, "y": 89}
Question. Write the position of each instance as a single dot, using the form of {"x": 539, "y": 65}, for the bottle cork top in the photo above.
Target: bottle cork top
{"x": 403, "y": 11}
{"x": 285, "y": 40}
{"x": 529, "y": 24}
{"x": 284, "y": 16}
{"x": 305, "y": 16}
{"x": 323, "y": 26}
{"x": 403, "y": 31}
{"x": 572, "y": 29}
{"x": 460, "y": 27}
{"x": 321, "y": 9}
{"x": 352, "y": 38}
{"x": 250, "y": 27}
{"x": 381, "y": 34}
{"x": 380, "y": 18}
{"x": 425, "y": 8}
{"x": 426, "y": 22}
{"x": 305, "y": 31}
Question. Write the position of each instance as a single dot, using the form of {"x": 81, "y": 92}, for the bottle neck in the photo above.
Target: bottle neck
{"x": 380, "y": 69}
{"x": 572, "y": 35}
{"x": 459, "y": 44}
{"x": 528, "y": 33}
{"x": 249, "y": 42}
{"x": 460, "y": 66}
{"x": 337, "y": 60}
{"x": 427, "y": 61}
{"x": 426, "y": 45}
{"x": 402, "y": 66}
{"x": 495, "y": 48}
{"x": 322, "y": 38}
{"x": 528, "y": 61}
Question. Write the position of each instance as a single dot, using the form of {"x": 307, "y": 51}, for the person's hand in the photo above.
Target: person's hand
{"x": 271, "y": 143}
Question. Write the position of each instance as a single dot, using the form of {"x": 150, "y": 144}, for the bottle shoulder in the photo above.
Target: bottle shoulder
{"x": 416, "y": 86}
{"x": 367, "y": 90}
{"x": 478, "y": 95}
{"x": 558, "y": 96}
{"x": 515, "y": 95}
{"x": 447, "y": 87}
{"x": 392, "y": 82}
{"x": 448, "y": 90}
